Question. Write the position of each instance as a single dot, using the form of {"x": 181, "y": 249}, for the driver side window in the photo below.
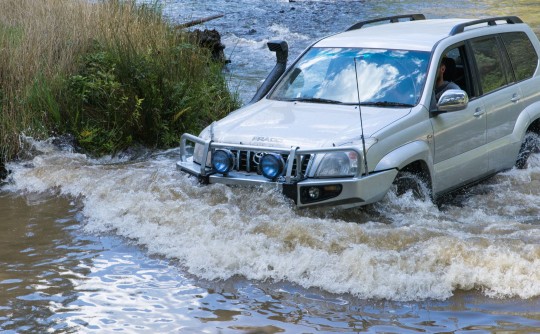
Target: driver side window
{"x": 458, "y": 71}
{"x": 457, "y": 74}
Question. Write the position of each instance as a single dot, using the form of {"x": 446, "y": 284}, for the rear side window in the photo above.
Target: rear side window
{"x": 522, "y": 54}
{"x": 489, "y": 63}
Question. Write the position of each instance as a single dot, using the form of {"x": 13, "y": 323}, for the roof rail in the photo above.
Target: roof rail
{"x": 391, "y": 19}
{"x": 492, "y": 21}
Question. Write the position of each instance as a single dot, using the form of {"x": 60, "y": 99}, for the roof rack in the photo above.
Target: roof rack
{"x": 492, "y": 21}
{"x": 391, "y": 19}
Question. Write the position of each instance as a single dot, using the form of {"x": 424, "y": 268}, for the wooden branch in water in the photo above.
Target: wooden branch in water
{"x": 199, "y": 21}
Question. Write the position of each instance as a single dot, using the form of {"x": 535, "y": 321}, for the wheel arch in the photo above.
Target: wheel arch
{"x": 528, "y": 120}
{"x": 534, "y": 126}
{"x": 405, "y": 155}
{"x": 414, "y": 157}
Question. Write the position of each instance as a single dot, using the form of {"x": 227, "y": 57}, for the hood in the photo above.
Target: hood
{"x": 306, "y": 125}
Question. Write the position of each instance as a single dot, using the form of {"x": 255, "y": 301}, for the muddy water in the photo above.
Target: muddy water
{"x": 130, "y": 245}
{"x": 106, "y": 245}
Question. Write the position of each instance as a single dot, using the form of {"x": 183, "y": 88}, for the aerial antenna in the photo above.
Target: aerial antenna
{"x": 361, "y": 122}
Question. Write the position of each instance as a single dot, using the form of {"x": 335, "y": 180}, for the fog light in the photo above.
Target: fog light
{"x": 271, "y": 165}
{"x": 222, "y": 161}
{"x": 314, "y": 193}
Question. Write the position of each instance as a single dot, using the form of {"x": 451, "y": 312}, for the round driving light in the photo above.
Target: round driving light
{"x": 271, "y": 165}
{"x": 314, "y": 192}
{"x": 222, "y": 161}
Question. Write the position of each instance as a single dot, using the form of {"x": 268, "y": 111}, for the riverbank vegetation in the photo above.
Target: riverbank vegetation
{"x": 111, "y": 73}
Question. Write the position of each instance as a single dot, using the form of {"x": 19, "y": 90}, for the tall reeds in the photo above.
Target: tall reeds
{"x": 112, "y": 73}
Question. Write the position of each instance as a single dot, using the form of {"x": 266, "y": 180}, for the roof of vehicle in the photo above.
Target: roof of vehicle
{"x": 419, "y": 35}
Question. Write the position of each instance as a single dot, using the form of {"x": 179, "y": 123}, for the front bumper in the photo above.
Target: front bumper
{"x": 345, "y": 192}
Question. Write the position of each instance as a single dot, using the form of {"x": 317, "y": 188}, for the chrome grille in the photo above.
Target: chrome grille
{"x": 247, "y": 161}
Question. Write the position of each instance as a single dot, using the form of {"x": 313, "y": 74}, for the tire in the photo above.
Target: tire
{"x": 530, "y": 145}
{"x": 416, "y": 183}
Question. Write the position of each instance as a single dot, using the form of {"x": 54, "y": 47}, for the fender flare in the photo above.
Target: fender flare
{"x": 524, "y": 120}
{"x": 406, "y": 154}
{"x": 533, "y": 111}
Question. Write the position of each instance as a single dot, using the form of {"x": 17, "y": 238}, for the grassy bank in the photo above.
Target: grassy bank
{"x": 111, "y": 73}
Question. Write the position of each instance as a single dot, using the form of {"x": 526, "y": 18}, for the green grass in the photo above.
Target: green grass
{"x": 112, "y": 74}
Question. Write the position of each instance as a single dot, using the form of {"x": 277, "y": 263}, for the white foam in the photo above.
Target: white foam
{"x": 283, "y": 32}
{"x": 401, "y": 249}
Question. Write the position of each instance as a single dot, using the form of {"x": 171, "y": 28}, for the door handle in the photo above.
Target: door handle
{"x": 478, "y": 112}
{"x": 515, "y": 98}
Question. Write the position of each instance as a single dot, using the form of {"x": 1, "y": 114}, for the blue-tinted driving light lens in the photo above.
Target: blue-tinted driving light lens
{"x": 271, "y": 165}
{"x": 222, "y": 161}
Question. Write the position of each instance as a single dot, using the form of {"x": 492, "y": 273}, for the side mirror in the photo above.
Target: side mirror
{"x": 452, "y": 100}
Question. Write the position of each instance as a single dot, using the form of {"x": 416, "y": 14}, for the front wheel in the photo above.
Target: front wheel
{"x": 417, "y": 184}
{"x": 530, "y": 145}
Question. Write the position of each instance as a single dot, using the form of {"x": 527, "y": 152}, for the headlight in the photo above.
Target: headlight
{"x": 338, "y": 164}
{"x": 271, "y": 165}
{"x": 343, "y": 164}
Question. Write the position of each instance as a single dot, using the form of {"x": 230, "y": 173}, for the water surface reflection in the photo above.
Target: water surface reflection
{"x": 40, "y": 258}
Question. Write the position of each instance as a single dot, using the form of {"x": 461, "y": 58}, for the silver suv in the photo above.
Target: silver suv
{"x": 359, "y": 113}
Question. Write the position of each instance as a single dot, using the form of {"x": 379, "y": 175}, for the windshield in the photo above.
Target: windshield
{"x": 327, "y": 75}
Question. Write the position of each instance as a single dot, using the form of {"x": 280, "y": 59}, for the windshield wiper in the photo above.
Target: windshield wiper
{"x": 315, "y": 100}
{"x": 387, "y": 104}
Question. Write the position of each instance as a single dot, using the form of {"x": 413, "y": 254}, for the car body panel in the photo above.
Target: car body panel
{"x": 283, "y": 124}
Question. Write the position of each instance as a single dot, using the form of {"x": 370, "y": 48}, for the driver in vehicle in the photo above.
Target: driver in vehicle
{"x": 442, "y": 85}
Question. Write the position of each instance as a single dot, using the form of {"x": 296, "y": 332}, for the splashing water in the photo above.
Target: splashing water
{"x": 399, "y": 249}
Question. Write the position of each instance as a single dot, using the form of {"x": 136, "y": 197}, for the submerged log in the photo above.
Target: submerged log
{"x": 198, "y": 21}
